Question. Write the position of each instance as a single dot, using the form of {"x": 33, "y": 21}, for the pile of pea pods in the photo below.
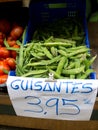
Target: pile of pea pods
{"x": 58, "y": 56}
{"x": 58, "y": 48}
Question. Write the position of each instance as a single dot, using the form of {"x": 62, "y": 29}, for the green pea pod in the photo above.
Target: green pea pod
{"x": 61, "y": 65}
{"x": 72, "y": 49}
{"x": 86, "y": 74}
{"x": 21, "y": 56}
{"x": 77, "y": 63}
{"x": 59, "y": 44}
{"x": 19, "y": 70}
{"x": 79, "y": 56}
{"x": 34, "y": 72}
{"x": 92, "y": 60}
{"x": 36, "y": 55}
{"x": 74, "y": 71}
{"x": 54, "y": 51}
{"x": 63, "y": 48}
{"x": 71, "y": 65}
{"x": 89, "y": 62}
{"x": 62, "y": 52}
{"x": 40, "y": 76}
{"x": 66, "y": 63}
{"x": 41, "y": 54}
{"x": 77, "y": 38}
{"x": 27, "y": 50}
{"x": 45, "y": 67}
{"x": 56, "y": 75}
{"x": 75, "y": 33}
{"x": 64, "y": 40}
{"x": 49, "y": 39}
{"x": 44, "y": 62}
{"x": 47, "y": 53}
{"x": 78, "y": 52}
{"x": 72, "y": 76}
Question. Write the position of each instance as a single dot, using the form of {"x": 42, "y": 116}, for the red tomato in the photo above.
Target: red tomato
{"x": 9, "y": 38}
{"x": 16, "y": 32}
{"x": 16, "y": 46}
{"x": 3, "y": 78}
{"x": 4, "y": 68}
{"x": 14, "y": 53}
{"x": 4, "y": 53}
{"x": 11, "y": 42}
{"x": 11, "y": 63}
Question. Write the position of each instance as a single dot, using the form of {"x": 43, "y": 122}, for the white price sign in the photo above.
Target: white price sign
{"x": 61, "y": 99}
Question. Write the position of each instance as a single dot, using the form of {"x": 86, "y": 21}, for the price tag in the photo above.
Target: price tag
{"x": 62, "y": 99}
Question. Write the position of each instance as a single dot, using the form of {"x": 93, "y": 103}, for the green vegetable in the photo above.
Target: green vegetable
{"x": 86, "y": 74}
{"x": 34, "y": 72}
{"x": 74, "y": 71}
{"x": 61, "y": 65}
{"x": 47, "y": 53}
{"x": 57, "y": 48}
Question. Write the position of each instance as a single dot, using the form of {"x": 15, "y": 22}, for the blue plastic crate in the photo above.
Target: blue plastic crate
{"x": 47, "y": 11}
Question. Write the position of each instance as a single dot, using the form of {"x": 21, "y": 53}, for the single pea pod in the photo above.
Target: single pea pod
{"x": 72, "y": 77}
{"x": 71, "y": 65}
{"x": 54, "y": 51}
{"x": 66, "y": 63}
{"x": 40, "y": 54}
{"x": 64, "y": 40}
{"x": 72, "y": 49}
{"x": 62, "y": 52}
{"x": 34, "y": 72}
{"x": 59, "y": 44}
{"x": 36, "y": 55}
{"x": 56, "y": 75}
{"x": 90, "y": 61}
{"x": 44, "y": 62}
{"x": 45, "y": 67}
{"x": 19, "y": 70}
{"x": 77, "y": 63}
{"x": 61, "y": 65}
{"x": 73, "y": 71}
{"x": 63, "y": 48}
{"x": 78, "y": 52}
{"x": 86, "y": 74}
{"x": 47, "y": 53}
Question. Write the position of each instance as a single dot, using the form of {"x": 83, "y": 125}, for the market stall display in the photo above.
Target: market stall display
{"x": 49, "y": 48}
